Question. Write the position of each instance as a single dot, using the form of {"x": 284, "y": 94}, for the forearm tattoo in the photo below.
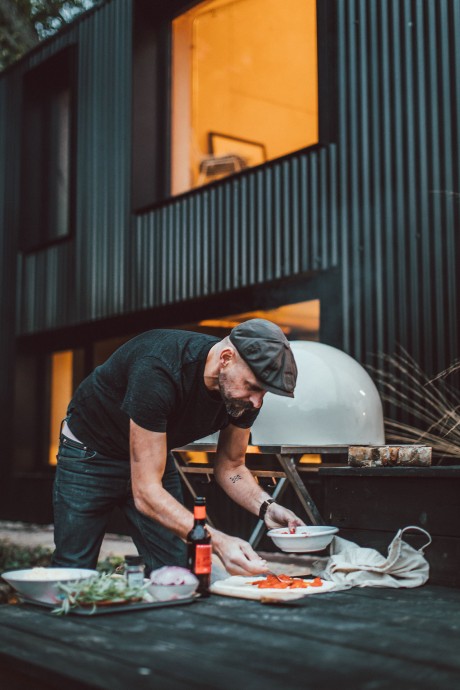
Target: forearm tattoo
{"x": 235, "y": 478}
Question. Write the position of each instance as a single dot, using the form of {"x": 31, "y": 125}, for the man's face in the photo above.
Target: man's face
{"x": 239, "y": 389}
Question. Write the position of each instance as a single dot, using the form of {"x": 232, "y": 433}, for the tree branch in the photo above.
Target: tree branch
{"x": 23, "y": 31}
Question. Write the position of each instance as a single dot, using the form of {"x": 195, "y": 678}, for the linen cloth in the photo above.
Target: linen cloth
{"x": 350, "y": 565}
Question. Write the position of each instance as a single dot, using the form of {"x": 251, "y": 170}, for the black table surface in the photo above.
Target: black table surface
{"x": 360, "y": 638}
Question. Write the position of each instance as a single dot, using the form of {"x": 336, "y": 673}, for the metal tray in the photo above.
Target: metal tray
{"x": 116, "y": 608}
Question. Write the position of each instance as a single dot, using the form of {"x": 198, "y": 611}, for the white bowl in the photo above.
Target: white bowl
{"x": 41, "y": 584}
{"x": 305, "y": 540}
{"x": 170, "y": 592}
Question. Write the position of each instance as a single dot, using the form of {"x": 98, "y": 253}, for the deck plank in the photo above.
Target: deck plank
{"x": 359, "y": 638}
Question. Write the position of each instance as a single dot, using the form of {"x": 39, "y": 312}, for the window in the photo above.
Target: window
{"x": 60, "y": 394}
{"x": 46, "y": 160}
{"x": 298, "y": 321}
{"x": 244, "y": 86}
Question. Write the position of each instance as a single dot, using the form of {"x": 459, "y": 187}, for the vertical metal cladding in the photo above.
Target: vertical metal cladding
{"x": 45, "y": 285}
{"x": 7, "y": 276}
{"x": 381, "y": 202}
{"x": 103, "y": 175}
{"x": 267, "y": 223}
{"x": 88, "y": 278}
{"x": 398, "y": 176}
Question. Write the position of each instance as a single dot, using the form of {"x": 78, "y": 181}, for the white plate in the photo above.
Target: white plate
{"x": 240, "y": 587}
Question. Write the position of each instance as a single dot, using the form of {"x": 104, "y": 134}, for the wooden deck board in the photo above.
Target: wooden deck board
{"x": 358, "y": 638}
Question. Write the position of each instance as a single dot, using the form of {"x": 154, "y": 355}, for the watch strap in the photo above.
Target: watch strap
{"x": 264, "y": 507}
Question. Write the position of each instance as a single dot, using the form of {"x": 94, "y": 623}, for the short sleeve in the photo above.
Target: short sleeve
{"x": 150, "y": 394}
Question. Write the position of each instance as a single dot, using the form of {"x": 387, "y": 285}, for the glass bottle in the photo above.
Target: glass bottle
{"x": 199, "y": 548}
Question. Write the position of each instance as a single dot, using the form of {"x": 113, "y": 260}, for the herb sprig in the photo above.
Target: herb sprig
{"x": 100, "y": 588}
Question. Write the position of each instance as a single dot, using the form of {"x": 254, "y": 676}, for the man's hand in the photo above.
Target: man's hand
{"x": 238, "y": 557}
{"x": 277, "y": 516}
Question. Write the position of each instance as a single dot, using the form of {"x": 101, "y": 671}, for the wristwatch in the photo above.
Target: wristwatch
{"x": 264, "y": 507}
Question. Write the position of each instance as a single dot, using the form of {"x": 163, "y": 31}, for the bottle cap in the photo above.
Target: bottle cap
{"x": 133, "y": 560}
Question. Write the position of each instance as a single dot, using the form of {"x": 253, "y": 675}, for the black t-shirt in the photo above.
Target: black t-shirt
{"x": 157, "y": 380}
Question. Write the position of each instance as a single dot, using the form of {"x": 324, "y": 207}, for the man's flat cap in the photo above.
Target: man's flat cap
{"x": 266, "y": 350}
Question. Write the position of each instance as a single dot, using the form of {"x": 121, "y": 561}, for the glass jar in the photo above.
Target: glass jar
{"x": 134, "y": 570}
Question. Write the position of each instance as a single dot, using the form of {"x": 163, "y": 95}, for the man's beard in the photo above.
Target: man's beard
{"x": 235, "y": 407}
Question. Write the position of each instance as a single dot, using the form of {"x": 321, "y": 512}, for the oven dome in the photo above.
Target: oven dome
{"x": 336, "y": 403}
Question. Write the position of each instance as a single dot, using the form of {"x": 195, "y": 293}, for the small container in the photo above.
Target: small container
{"x": 134, "y": 571}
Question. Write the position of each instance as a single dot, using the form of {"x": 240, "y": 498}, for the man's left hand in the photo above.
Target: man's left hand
{"x": 278, "y": 516}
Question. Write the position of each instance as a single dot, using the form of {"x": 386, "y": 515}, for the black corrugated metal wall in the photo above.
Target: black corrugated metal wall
{"x": 394, "y": 211}
{"x": 267, "y": 224}
{"x": 87, "y": 278}
{"x": 380, "y": 200}
{"x": 398, "y": 172}
{"x": 7, "y": 287}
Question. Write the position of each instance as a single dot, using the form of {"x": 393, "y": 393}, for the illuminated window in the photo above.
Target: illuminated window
{"x": 298, "y": 321}
{"x": 61, "y": 393}
{"x": 244, "y": 86}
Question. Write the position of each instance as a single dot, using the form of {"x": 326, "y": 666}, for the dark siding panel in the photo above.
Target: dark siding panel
{"x": 7, "y": 279}
{"x": 398, "y": 177}
{"x": 381, "y": 202}
{"x": 104, "y": 169}
{"x": 265, "y": 224}
{"x": 88, "y": 278}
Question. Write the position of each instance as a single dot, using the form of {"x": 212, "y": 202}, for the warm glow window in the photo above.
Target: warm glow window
{"x": 61, "y": 393}
{"x": 245, "y": 86}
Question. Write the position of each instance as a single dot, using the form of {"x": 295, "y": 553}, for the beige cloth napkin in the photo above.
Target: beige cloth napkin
{"x": 350, "y": 565}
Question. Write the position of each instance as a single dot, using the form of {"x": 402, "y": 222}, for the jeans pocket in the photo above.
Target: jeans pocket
{"x": 71, "y": 453}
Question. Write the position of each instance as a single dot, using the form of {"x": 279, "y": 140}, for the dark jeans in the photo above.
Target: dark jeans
{"x": 87, "y": 487}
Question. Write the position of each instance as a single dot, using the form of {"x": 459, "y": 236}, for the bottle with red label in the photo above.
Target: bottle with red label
{"x": 199, "y": 548}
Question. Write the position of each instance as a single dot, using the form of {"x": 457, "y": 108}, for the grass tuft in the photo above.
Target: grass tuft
{"x": 433, "y": 404}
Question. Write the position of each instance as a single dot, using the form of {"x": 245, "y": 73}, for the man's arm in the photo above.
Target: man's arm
{"x": 237, "y": 481}
{"x": 148, "y": 451}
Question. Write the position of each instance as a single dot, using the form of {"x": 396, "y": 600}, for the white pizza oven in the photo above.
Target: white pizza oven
{"x": 336, "y": 403}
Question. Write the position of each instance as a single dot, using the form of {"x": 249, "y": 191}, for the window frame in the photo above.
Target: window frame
{"x": 158, "y": 20}
{"x": 40, "y": 85}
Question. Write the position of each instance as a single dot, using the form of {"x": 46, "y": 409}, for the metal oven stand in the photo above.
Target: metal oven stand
{"x": 288, "y": 458}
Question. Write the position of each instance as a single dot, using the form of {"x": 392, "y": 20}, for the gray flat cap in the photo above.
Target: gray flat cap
{"x": 266, "y": 350}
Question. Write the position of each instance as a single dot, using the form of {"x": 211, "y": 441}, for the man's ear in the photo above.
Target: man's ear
{"x": 227, "y": 356}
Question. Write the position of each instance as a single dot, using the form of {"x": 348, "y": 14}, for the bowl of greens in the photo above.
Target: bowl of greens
{"x": 43, "y": 584}
{"x": 103, "y": 590}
